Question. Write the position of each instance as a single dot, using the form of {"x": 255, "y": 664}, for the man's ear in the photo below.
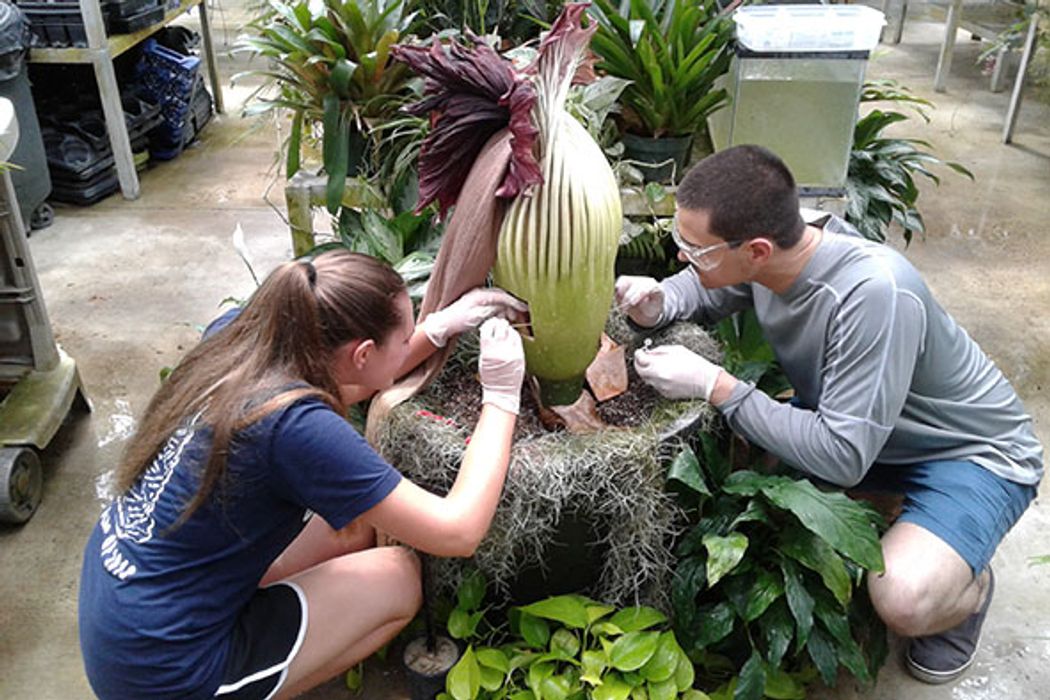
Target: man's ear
{"x": 759, "y": 250}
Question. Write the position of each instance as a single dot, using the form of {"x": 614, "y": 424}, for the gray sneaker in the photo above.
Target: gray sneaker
{"x": 941, "y": 658}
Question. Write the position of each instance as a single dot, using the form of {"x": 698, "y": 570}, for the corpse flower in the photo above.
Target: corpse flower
{"x": 538, "y": 201}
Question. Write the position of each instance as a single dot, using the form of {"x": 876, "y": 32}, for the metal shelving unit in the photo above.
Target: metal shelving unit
{"x": 100, "y": 52}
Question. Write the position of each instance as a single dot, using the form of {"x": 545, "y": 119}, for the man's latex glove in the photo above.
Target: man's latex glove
{"x": 469, "y": 311}
{"x": 641, "y": 298}
{"x": 501, "y": 365}
{"x": 677, "y": 372}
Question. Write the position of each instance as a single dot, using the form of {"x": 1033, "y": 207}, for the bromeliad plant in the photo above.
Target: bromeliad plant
{"x": 558, "y": 233}
{"x": 672, "y": 51}
{"x": 881, "y": 186}
{"x": 768, "y": 585}
{"x": 331, "y": 68}
{"x": 566, "y": 648}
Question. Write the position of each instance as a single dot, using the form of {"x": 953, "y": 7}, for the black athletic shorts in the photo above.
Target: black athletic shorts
{"x": 267, "y": 637}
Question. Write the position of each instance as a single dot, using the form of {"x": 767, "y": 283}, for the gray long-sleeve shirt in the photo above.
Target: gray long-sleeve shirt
{"x": 883, "y": 373}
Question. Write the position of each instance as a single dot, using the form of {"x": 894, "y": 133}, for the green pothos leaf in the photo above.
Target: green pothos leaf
{"x": 723, "y": 554}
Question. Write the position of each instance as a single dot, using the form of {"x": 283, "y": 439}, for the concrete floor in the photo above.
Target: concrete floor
{"x": 128, "y": 284}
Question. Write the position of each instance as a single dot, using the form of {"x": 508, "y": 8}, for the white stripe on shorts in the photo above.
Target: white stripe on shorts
{"x": 281, "y": 667}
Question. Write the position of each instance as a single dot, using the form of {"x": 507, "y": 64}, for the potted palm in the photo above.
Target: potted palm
{"x": 672, "y": 52}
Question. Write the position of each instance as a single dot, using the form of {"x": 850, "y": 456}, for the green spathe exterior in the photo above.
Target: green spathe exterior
{"x": 557, "y": 250}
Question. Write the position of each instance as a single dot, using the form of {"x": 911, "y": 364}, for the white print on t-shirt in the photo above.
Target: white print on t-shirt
{"x": 130, "y": 516}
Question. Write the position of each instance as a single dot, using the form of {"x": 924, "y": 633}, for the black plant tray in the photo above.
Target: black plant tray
{"x": 57, "y": 24}
{"x": 126, "y": 9}
{"x": 146, "y": 18}
{"x": 71, "y": 157}
{"x": 87, "y": 194}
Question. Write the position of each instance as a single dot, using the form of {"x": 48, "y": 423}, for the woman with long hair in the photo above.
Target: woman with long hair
{"x": 236, "y": 560}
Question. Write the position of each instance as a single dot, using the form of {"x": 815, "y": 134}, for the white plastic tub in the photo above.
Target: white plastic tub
{"x": 776, "y": 28}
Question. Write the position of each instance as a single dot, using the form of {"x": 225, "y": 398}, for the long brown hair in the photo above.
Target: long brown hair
{"x": 285, "y": 335}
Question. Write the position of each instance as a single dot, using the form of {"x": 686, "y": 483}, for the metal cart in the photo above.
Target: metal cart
{"x": 38, "y": 382}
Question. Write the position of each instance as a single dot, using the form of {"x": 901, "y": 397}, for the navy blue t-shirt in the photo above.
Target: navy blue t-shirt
{"x": 157, "y": 605}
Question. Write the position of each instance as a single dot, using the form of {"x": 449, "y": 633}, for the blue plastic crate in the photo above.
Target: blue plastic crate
{"x": 167, "y": 78}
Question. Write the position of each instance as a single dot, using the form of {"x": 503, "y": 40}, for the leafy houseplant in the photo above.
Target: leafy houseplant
{"x": 881, "y": 186}
{"x": 672, "y": 52}
{"x": 513, "y": 21}
{"x": 765, "y": 582}
{"x": 332, "y": 69}
{"x": 570, "y": 648}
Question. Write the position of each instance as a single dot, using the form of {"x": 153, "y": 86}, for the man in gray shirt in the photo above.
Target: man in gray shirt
{"x": 890, "y": 392}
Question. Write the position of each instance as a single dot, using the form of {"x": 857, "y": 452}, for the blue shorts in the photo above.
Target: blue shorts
{"x": 962, "y": 503}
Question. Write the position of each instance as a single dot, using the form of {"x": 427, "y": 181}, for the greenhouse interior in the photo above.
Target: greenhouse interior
{"x": 666, "y": 349}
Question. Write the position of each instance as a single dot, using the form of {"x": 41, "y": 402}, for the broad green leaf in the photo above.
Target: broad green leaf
{"x": 632, "y": 650}
{"x": 335, "y": 152}
{"x": 686, "y": 469}
{"x": 689, "y": 579}
{"x": 724, "y": 553}
{"x": 777, "y": 631}
{"x": 566, "y": 609}
{"x": 822, "y": 652}
{"x": 756, "y": 511}
{"x": 816, "y": 555}
{"x": 694, "y": 694}
{"x": 538, "y": 672}
{"x": 849, "y": 653}
{"x": 494, "y": 659}
{"x": 638, "y": 618}
{"x": 799, "y": 601}
{"x": 684, "y": 673}
{"x": 294, "y": 146}
{"x": 597, "y": 612}
{"x": 765, "y": 589}
{"x": 781, "y": 686}
{"x": 606, "y": 629}
{"x": 664, "y": 660}
{"x": 715, "y": 459}
{"x": 752, "y": 681}
{"x": 522, "y": 660}
{"x": 340, "y": 77}
{"x": 471, "y": 590}
{"x": 594, "y": 664}
{"x": 523, "y": 695}
{"x": 564, "y": 644}
{"x": 662, "y": 690}
{"x": 612, "y": 688}
{"x": 491, "y": 679}
{"x": 746, "y": 483}
{"x": 464, "y": 679}
{"x": 713, "y": 625}
{"x": 459, "y": 624}
{"x": 555, "y": 688}
{"x": 535, "y": 631}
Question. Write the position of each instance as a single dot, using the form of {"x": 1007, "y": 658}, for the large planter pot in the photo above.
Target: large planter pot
{"x": 579, "y": 513}
{"x": 670, "y": 151}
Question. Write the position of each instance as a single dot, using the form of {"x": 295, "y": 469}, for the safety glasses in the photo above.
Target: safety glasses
{"x": 701, "y": 257}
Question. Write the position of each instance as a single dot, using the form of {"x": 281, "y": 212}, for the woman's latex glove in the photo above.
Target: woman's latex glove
{"x": 469, "y": 311}
{"x": 501, "y": 365}
{"x": 641, "y": 298}
{"x": 677, "y": 372}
